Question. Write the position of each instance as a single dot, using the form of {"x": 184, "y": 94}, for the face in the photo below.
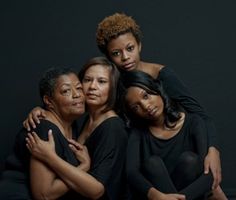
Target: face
{"x": 124, "y": 51}
{"x": 96, "y": 85}
{"x": 144, "y": 105}
{"x": 68, "y": 98}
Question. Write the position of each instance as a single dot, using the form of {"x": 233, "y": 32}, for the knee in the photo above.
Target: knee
{"x": 189, "y": 158}
{"x": 153, "y": 162}
{"x": 190, "y": 163}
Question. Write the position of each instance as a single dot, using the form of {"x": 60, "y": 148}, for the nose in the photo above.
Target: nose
{"x": 75, "y": 92}
{"x": 125, "y": 56}
{"x": 145, "y": 106}
{"x": 93, "y": 84}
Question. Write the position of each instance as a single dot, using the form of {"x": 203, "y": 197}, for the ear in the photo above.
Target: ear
{"x": 47, "y": 101}
{"x": 140, "y": 47}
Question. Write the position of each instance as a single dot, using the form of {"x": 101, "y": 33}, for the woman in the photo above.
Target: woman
{"x": 167, "y": 146}
{"x": 119, "y": 38}
{"x": 63, "y": 100}
{"x": 101, "y": 131}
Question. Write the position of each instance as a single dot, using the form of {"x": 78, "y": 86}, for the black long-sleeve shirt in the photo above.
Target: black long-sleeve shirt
{"x": 179, "y": 92}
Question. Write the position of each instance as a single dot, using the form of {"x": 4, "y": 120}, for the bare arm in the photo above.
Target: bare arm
{"x": 74, "y": 177}
{"x": 52, "y": 187}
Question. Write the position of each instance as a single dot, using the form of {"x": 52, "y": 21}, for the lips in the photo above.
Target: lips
{"x": 152, "y": 111}
{"x": 78, "y": 103}
{"x": 128, "y": 66}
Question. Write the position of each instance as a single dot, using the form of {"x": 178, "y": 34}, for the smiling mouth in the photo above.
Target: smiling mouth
{"x": 78, "y": 103}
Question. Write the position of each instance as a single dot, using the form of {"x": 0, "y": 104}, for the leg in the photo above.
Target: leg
{"x": 187, "y": 169}
{"x": 189, "y": 178}
{"x": 155, "y": 171}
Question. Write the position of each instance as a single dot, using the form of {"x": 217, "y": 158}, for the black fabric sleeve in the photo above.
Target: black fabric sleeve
{"x": 179, "y": 92}
{"x": 133, "y": 165}
{"x": 199, "y": 136}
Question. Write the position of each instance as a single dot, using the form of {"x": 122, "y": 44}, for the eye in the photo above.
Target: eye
{"x": 135, "y": 108}
{"x": 145, "y": 95}
{"x": 66, "y": 92}
{"x": 85, "y": 80}
{"x": 130, "y": 48}
{"x": 102, "y": 81}
{"x": 115, "y": 53}
{"x": 79, "y": 88}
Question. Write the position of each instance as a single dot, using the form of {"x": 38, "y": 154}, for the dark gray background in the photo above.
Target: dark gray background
{"x": 195, "y": 38}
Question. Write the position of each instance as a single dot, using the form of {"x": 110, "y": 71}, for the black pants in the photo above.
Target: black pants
{"x": 187, "y": 177}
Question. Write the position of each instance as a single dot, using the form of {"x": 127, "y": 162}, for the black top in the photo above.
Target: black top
{"x": 176, "y": 89}
{"x": 17, "y": 164}
{"x": 142, "y": 144}
{"x": 107, "y": 146}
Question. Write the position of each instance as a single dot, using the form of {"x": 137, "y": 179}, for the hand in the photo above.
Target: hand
{"x": 212, "y": 162}
{"x": 39, "y": 148}
{"x": 33, "y": 117}
{"x": 81, "y": 153}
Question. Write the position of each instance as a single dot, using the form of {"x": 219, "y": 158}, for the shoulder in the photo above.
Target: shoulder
{"x": 152, "y": 69}
{"x": 114, "y": 127}
{"x": 194, "y": 119}
{"x": 43, "y": 128}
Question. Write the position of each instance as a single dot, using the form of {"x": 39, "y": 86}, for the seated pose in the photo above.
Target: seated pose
{"x": 26, "y": 177}
{"x": 119, "y": 38}
{"x": 167, "y": 146}
{"x": 100, "y": 130}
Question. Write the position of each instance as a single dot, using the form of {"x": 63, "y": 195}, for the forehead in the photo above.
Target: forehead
{"x": 67, "y": 79}
{"x": 133, "y": 93}
{"x": 98, "y": 71}
{"x": 121, "y": 41}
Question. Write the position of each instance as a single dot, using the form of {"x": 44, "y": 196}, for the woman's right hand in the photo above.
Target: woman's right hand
{"x": 34, "y": 117}
{"x": 81, "y": 153}
{"x": 39, "y": 148}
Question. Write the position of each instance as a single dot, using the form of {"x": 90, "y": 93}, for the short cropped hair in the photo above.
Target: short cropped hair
{"x": 113, "y": 26}
{"x": 47, "y": 83}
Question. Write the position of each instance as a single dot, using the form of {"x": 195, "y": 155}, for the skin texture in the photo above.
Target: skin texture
{"x": 145, "y": 105}
{"x": 96, "y": 85}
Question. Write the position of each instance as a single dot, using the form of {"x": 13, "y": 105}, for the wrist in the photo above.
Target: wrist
{"x": 84, "y": 166}
{"x": 213, "y": 149}
{"x": 153, "y": 193}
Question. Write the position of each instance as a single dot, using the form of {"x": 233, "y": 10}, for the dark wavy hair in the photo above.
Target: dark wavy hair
{"x": 114, "y": 78}
{"x": 151, "y": 86}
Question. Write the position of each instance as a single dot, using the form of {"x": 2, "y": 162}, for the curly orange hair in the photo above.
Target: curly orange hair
{"x": 113, "y": 26}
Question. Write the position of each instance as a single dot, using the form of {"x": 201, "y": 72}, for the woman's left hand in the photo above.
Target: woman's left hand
{"x": 212, "y": 162}
{"x": 39, "y": 148}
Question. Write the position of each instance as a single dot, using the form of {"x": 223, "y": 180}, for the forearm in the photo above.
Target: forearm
{"x": 52, "y": 187}
{"x": 75, "y": 177}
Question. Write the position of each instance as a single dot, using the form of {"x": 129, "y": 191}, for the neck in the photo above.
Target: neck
{"x": 64, "y": 125}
